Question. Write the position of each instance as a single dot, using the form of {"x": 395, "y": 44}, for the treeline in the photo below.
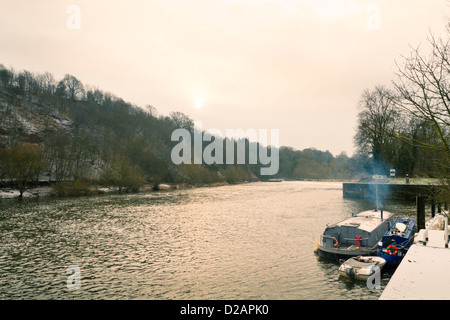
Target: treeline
{"x": 76, "y": 136}
{"x": 83, "y": 136}
{"x": 388, "y": 137}
{"x": 314, "y": 164}
{"x": 88, "y": 136}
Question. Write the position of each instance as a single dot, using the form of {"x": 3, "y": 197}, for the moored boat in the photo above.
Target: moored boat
{"x": 355, "y": 236}
{"x": 361, "y": 268}
{"x": 396, "y": 241}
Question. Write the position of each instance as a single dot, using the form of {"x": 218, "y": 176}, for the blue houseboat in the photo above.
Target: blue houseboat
{"x": 397, "y": 240}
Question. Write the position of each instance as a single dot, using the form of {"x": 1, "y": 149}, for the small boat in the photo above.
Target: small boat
{"x": 361, "y": 268}
{"x": 355, "y": 236}
{"x": 396, "y": 241}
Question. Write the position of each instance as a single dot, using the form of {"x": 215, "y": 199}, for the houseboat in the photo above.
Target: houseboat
{"x": 355, "y": 236}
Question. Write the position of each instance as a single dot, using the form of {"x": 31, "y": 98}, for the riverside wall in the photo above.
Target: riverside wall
{"x": 388, "y": 191}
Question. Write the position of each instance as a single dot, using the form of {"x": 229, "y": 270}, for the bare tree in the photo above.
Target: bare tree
{"x": 93, "y": 94}
{"x": 377, "y": 120}
{"x": 151, "y": 110}
{"x": 181, "y": 120}
{"x": 73, "y": 86}
{"x": 48, "y": 83}
{"x": 6, "y": 76}
{"x": 423, "y": 84}
{"x": 22, "y": 163}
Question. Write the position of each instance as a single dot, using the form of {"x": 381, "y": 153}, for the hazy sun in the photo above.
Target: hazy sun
{"x": 198, "y": 102}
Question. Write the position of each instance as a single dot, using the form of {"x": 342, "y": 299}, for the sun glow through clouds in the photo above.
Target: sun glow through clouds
{"x": 199, "y": 103}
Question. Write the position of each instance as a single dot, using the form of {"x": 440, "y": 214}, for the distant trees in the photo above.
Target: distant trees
{"x": 6, "y": 76}
{"x": 378, "y": 118}
{"x": 26, "y": 81}
{"x": 59, "y": 155}
{"x": 94, "y": 95}
{"x": 77, "y": 135}
{"x": 313, "y": 164}
{"x": 47, "y": 83}
{"x": 22, "y": 163}
{"x": 181, "y": 120}
{"x": 122, "y": 174}
{"x": 107, "y": 140}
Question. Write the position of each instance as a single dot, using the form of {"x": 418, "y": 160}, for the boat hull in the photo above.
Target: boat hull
{"x": 339, "y": 254}
{"x": 391, "y": 259}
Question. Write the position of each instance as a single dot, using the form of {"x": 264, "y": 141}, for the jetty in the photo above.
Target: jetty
{"x": 424, "y": 272}
{"x": 390, "y": 189}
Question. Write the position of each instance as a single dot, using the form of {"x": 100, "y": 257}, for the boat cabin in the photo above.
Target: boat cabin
{"x": 363, "y": 230}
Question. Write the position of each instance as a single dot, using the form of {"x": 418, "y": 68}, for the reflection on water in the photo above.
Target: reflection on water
{"x": 251, "y": 241}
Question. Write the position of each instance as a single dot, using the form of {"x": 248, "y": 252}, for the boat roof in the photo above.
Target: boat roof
{"x": 403, "y": 219}
{"x": 366, "y": 220}
{"x": 404, "y": 227}
{"x": 364, "y": 262}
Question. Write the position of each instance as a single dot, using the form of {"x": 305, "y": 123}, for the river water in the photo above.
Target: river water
{"x": 249, "y": 241}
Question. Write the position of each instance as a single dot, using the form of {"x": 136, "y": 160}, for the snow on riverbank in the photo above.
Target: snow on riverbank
{"x": 7, "y": 193}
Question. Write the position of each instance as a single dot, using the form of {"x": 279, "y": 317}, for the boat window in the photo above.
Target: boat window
{"x": 401, "y": 227}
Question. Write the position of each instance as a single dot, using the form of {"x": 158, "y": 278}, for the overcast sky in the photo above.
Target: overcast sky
{"x": 299, "y": 66}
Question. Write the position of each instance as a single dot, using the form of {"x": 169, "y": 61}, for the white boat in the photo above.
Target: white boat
{"x": 361, "y": 268}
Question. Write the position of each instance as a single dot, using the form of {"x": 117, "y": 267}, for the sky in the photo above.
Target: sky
{"x": 299, "y": 66}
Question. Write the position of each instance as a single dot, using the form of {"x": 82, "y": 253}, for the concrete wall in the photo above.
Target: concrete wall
{"x": 386, "y": 191}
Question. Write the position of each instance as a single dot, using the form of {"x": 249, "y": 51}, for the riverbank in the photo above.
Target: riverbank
{"x": 8, "y": 193}
{"x": 59, "y": 191}
{"x": 322, "y": 180}
{"x": 67, "y": 189}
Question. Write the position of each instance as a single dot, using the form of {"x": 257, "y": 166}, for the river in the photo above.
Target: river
{"x": 248, "y": 241}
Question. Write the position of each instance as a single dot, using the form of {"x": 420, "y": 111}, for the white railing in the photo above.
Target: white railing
{"x": 434, "y": 229}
